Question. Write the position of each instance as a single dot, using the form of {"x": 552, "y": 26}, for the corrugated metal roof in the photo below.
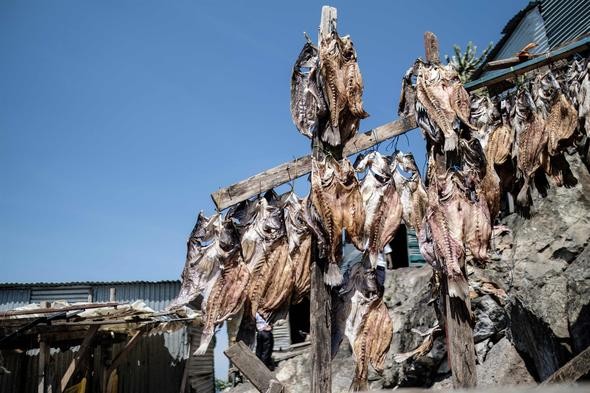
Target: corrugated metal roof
{"x": 549, "y": 23}
{"x": 565, "y": 20}
{"x": 530, "y": 29}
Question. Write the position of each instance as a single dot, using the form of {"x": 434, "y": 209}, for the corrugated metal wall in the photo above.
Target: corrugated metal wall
{"x": 73, "y": 294}
{"x": 282, "y": 335}
{"x": 201, "y": 372}
{"x": 148, "y": 368}
{"x": 156, "y": 295}
{"x": 11, "y": 298}
{"x": 565, "y": 20}
{"x": 155, "y": 365}
{"x": 414, "y": 255}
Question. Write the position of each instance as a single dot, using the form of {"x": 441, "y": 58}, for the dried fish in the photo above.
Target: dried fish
{"x": 369, "y": 329}
{"x": 299, "y": 236}
{"x": 382, "y": 205}
{"x": 308, "y": 107}
{"x": 202, "y": 259}
{"x": 336, "y": 197}
{"x": 342, "y": 84}
{"x": 442, "y": 98}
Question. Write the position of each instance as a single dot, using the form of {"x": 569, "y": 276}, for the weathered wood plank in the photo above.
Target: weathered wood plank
{"x": 572, "y": 370}
{"x": 259, "y": 375}
{"x": 84, "y": 347}
{"x": 431, "y": 48}
{"x": 284, "y": 173}
{"x": 110, "y": 371}
{"x": 461, "y": 347}
{"x": 49, "y": 310}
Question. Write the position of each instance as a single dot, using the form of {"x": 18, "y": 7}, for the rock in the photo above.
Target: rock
{"x": 503, "y": 366}
{"x": 490, "y": 318}
{"x": 578, "y": 301}
{"x": 407, "y": 295}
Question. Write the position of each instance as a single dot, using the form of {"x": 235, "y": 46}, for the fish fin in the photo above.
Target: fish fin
{"x": 333, "y": 277}
{"x": 450, "y": 142}
{"x": 205, "y": 340}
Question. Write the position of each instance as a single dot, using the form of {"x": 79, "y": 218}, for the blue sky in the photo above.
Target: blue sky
{"x": 119, "y": 118}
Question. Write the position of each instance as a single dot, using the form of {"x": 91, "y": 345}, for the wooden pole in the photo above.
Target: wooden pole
{"x": 84, "y": 348}
{"x": 459, "y": 332}
{"x": 320, "y": 299}
{"x": 43, "y": 357}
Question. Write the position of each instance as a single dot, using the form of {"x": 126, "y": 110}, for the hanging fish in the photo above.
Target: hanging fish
{"x": 202, "y": 260}
{"x": 369, "y": 329}
{"x": 336, "y": 197}
{"x": 382, "y": 205}
{"x": 442, "y": 97}
{"x": 308, "y": 108}
{"x": 342, "y": 85}
{"x": 299, "y": 236}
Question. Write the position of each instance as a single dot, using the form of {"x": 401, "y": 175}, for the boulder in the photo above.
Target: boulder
{"x": 503, "y": 366}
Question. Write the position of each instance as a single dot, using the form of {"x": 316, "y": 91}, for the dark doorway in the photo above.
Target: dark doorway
{"x": 299, "y": 321}
{"x": 399, "y": 247}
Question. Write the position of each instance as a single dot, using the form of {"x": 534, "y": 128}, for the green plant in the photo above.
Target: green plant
{"x": 220, "y": 385}
{"x": 468, "y": 62}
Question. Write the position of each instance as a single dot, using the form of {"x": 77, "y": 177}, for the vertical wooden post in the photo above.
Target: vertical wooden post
{"x": 459, "y": 332}
{"x": 320, "y": 299}
{"x": 43, "y": 357}
{"x": 112, "y": 294}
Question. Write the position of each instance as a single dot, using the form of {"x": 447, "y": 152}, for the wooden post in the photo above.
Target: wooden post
{"x": 110, "y": 371}
{"x": 112, "y": 294}
{"x": 84, "y": 348}
{"x": 43, "y": 357}
{"x": 459, "y": 332}
{"x": 320, "y": 299}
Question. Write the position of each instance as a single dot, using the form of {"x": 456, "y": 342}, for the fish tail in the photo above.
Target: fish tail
{"x": 205, "y": 339}
{"x": 358, "y": 385}
{"x": 458, "y": 287}
{"x": 523, "y": 198}
{"x": 333, "y": 277}
{"x": 450, "y": 142}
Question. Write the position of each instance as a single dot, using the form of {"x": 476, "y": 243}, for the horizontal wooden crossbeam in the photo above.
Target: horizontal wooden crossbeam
{"x": 284, "y": 173}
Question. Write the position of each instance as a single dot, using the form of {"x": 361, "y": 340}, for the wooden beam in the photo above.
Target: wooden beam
{"x": 259, "y": 375}
{"x": 51, "y": 310}
{"x": 109, "y": 374}
{"x": 84, "y": 347}
{"x": 572, "y": 370}
{"x": 284, "y": 173}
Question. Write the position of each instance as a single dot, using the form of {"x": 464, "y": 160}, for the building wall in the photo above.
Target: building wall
{"x": 156, "y": 364}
